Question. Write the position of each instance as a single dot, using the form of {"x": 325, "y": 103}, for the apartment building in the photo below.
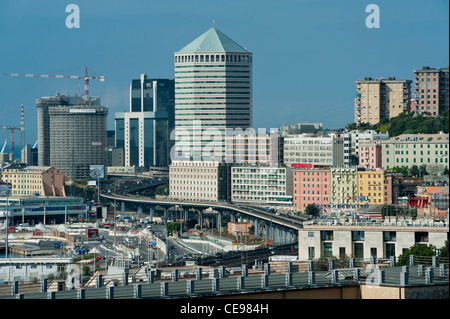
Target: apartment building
{"x": 312, "y": 186}
{"x": 259, "y": 184}
{"x": 34, "y": 180}
{"x": 374, "y": 187}
{"x": 370, "y": 155}
{"x": 431, "y": 88}
{"x": 415, "y": 149}
{"x": 196, "y": 181}
{"x": 381, "y": 99}
{"x": 356, "y": 137}
{"x": 344, "y": 185}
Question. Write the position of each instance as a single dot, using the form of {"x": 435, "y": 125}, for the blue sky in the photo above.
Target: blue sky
{"x": 307, "y": 54}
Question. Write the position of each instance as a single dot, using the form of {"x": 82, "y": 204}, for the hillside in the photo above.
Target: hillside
{"x": 408, "y": 123}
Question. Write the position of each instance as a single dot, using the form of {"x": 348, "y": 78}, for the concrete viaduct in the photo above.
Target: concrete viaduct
{"x": 279, "y": 229}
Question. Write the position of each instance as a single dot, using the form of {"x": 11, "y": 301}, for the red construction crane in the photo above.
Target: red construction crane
{"x": 86, "y": 78}
{"x": 11, "y": 128}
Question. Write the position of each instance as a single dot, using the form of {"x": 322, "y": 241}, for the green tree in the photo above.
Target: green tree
{"x": 418, "y": 251}
{"x": 414, "y": 171}
{"x": 444, "y": 250}
{"x": 172, "y": 227}
{"x": 312, "y": 210}
{"x": 162, "y": 189}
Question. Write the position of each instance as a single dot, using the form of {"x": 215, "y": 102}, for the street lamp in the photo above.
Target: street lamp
{"x": 5, "y": 189}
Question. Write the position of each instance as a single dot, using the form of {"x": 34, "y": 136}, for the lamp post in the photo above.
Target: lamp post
{"x": 5, "y": 189}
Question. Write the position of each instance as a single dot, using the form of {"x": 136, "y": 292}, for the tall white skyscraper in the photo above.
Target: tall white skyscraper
{"x": 213, "y": 92}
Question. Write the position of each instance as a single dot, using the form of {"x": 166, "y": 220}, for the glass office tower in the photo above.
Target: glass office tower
{"x": 144, "y": 132}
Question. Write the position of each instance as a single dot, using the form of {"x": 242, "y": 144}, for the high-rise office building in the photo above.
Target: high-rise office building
{"x": 381, "y": 99}
{"x": 431, "y": 88}
{"x": 213, "y": 91}
{"x": 72, "y": 136}
{"x": 144, "y": 131}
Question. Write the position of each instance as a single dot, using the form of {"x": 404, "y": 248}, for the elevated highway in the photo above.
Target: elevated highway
{"x": 285, "y": 229}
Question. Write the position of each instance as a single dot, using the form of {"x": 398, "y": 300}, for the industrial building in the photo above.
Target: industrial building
{"x": 41, "y": 209}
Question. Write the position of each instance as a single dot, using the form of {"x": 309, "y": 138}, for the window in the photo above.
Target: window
{"x": 311, "y": 253}
{"x": 326, "y": 235}
{"x": 327, "y": 249}
{"x": 358, "y": 250}
{"x": 390, "y": 236}
{"x": 357, "y": 235}
{"x": 341, "y": 252}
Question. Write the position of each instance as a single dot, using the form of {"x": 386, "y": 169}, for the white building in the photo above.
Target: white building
{"x": 354, "y": 137}
{"x": 365, "y": 240}
{"x": 33, "y": 268}
{"x": 415, "y": 149}
{"x": 198, "y": 181}
{"x": 267, "y": 185}
{"x": 316, "y": 150}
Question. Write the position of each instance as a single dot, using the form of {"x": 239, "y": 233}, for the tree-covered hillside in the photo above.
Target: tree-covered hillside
{"x": 408, "y": 123}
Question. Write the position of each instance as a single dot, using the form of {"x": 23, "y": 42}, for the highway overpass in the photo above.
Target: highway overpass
{"x": 283, "y": 229}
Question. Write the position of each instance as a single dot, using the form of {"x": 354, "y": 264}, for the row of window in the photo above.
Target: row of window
{"x": 213, "y": 58}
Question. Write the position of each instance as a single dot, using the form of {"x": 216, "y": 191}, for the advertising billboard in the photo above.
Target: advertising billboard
{"x": 97, "y": 171}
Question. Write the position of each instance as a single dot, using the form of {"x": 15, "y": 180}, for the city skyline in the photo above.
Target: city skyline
{"x": 298, "y": 48}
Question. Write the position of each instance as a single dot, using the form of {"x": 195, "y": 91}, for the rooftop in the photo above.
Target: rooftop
{"x": 213, "y": 40}
{"x": 419, "y": 138}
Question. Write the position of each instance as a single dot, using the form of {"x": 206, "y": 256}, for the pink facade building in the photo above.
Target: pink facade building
{"x": 370, "y": 154}
{"x": 431, "y": 90}
{"x": 311, "y": 186}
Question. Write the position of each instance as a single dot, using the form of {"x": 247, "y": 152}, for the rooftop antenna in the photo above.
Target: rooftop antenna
{"x": 214, "y": 23}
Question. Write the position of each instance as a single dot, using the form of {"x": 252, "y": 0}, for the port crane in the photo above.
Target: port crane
{"x": 11, "y": 128}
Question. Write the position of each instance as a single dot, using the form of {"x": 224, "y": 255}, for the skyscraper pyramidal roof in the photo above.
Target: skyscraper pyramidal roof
{"x": 213, "y": 40}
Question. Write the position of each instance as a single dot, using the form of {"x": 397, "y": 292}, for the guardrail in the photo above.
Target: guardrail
{"x": 194, "y": 282}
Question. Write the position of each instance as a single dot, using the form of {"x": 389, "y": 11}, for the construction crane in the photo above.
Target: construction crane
{"x": 11, "y": 128}
{"x": 4, "y": 145}
{"x": 86, "y": 78}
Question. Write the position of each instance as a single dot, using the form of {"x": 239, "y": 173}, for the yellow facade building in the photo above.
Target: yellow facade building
{"x": 374, "y": 187}
{"x": 34, "y": 180}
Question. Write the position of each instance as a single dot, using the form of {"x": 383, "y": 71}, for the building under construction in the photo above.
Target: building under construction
{"x": 71, "y": 134}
